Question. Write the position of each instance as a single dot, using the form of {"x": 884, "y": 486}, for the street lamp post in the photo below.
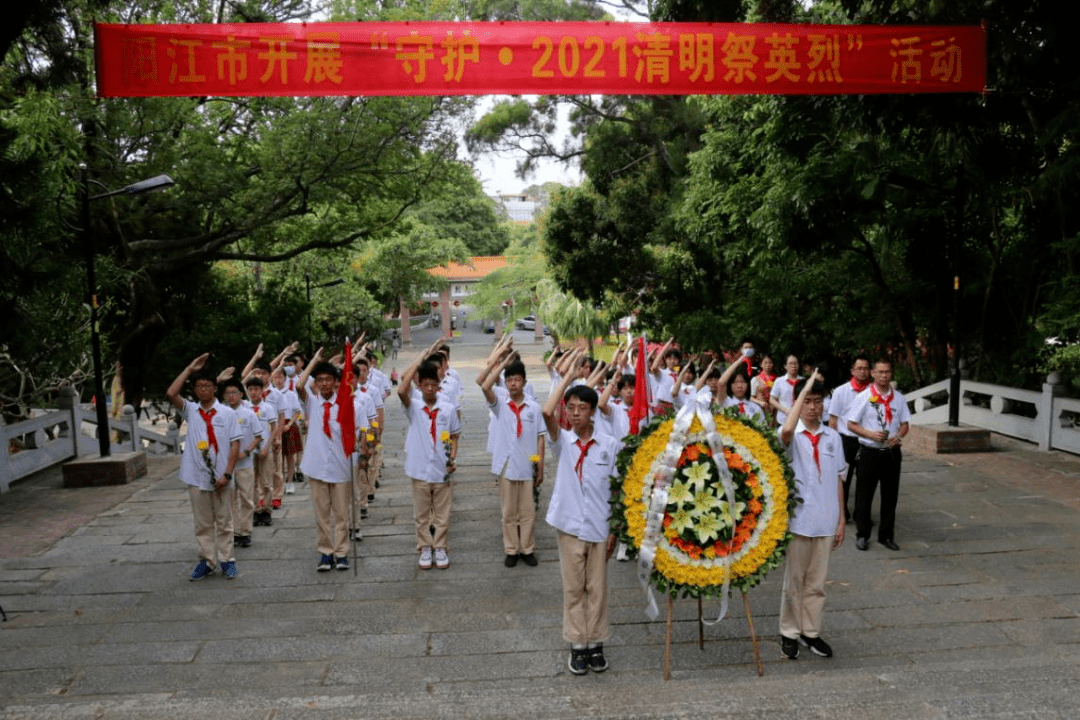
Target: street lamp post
{"x": 159, "y": 182}
{"x": 310, "y": 332}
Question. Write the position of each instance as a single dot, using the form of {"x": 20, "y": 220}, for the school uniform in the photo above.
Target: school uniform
{"x": 842, "y": 398}
{"x": 517, "y": 428}
{"x": 216, "y": 429}
{"x": 749, "y": 408}
{"x": 263, "y": 492}
{"x": 364, "y": 414}
{"x": 818, "y": 461}
{"x": 784, "y": 392}
{"x": 328, "y": 471}
{"x": 244, "y": 471}
{"x": 579, "y": 511}
{"x": 425, "y": 465}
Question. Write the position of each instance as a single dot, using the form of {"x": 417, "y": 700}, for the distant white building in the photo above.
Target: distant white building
{"x": 519, "y": 208}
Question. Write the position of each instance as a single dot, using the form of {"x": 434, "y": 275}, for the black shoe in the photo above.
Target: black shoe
{"x": 235, "y": 539}
{"x": 510, "y": 560}
{"x": 326, "y": 563}
{"x": 862, "y": 544}
{"x": 529, "y": 559}
{"x": 889, "y": 544}
{"x": 258, "y": 519}
{"x": 341, "y": 563}
{"x": 579, "y": 661}
{"x": 370, "y": 497}
{"x": 245, "y": 541}
{"x": 816, "y": 645}
{"x": 376, "y": 484}
{"x": 268, "y": 519}
{"x": 597, "y": 661}
{"x": 298, "y": 477}
{"x": 363, "y": 513}
{"x": 789, "y": 648}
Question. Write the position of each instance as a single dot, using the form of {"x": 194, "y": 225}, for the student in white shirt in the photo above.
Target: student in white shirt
{"x": 783, "y": 390}
{"x": 325, "y": 465}
{"x": 431, "y": 446}
{"x": 210, "y": 452}
{"x": 519, "y": 438}
{"x": 817, "y": 457}
{"x": 579, "y": 510}
{"x": 734, "y": 392}
{"x": 251, "y": 437}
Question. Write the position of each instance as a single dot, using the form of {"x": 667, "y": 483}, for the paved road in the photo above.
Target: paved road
{"x": 976, "y": 617}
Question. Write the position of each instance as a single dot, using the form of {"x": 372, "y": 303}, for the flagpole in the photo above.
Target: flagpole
{"x": 352, "y": 508}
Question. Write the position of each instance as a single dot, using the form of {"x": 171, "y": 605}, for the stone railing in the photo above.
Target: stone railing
{"x": 1044, "y": 418}
{"x": 55, "y": 436}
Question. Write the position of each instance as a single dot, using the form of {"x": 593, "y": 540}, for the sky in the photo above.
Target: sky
{"x": 496, "y": 170}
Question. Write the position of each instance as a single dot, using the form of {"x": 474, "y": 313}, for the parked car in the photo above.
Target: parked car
{"x": 527, "y": 323}
{"x": 489, "y": 326}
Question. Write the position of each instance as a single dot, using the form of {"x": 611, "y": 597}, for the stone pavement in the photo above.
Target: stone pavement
{"x": 976, "y": 616}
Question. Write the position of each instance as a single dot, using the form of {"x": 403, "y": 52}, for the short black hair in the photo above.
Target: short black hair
{"x": 254, "y": 381}
{"x": 202, "y": 375}
{"x": 515, "y": 368}
{"x": 326, "y": 368}
{"x": 428, "y": 371}
{"x": 361, "y": 361}
{"x": 626, "y": 380}
{"x": 293, "y": 358}
{"x": 673, "y": 351}
{"x": 232, "y": 382}
{"x": 262, "y": 365}
{"x": 817, "y": 389}
{"x": 584, "y": 393}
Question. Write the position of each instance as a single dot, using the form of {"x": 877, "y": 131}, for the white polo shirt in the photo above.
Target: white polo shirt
{"x": 750, "y": 408}
{"x": 249, "y": 425}
{"x": 580, "y": 506}
{"x": 324, "y": 456}
{"x": 193, "y": 468}
{"x": 816, "y": 482}
{"x": 872, "y": 415}
{"x": 425, "y": 456}
{"x": 784, "y": 392}
{"x": 509, "y": 448}
{"x": 842, "y": 398}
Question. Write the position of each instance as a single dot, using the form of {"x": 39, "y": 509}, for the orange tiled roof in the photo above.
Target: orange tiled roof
{"x": 477, "y": 268}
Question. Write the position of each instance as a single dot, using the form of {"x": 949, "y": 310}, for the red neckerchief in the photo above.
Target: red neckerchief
{"x": 875, "y": 397}
{"x": 292, "y": 384}
{"x": 814, "y": 440}
{"x": 584, "y": 448}
{"x": 326, "y": 418}
{"x": 742, "y": 407}
{"x": 768, "y": 380}
{"x": 792, "y": 382}
{"x": 517, "y": 411}
{"x": 432, "y": 414}
{"x": 265, "y": 394}
{"x": 208, "y": 417}
{"x": 857, "y": 387}
{"x": 749, "y": 366}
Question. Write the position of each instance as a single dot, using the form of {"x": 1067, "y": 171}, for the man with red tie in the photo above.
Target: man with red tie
{"x": 817, "y": 457}
{"x": 579, "y": 510}
{"x": 210, "y": 454}
{"x": 518, "y": 430}
{"x": 880, "y": 417}
{"x": 430, "y": 457}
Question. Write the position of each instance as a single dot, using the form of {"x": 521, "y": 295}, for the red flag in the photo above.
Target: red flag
{"x": 642, "y": 401}
{"x": 346, "y": 412}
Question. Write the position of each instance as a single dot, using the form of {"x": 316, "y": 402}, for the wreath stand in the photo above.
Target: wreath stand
{"x": 701, "y": 634}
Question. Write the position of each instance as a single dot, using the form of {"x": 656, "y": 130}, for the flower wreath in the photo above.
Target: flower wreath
{"x": 705, "y": 544}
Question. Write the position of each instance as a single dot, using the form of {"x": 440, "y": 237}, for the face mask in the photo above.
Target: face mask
{"x": 748, "y": 352}
{"x": 290, "y": 370}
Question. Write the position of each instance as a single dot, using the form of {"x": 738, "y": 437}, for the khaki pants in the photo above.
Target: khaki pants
{"x": 331, "y": 502}
{"x": 244, "y": 504}
{"x": 584, "y": 580}
{"x": 213, "y": 522}
{"x": 359, "y": 493}
{"x": 278, "y": 454}
{"x": 431, "y": 507}
{"x": 264, "y": 479}
{"x": 518, "y": 515}
{"x": 802, "y": 602}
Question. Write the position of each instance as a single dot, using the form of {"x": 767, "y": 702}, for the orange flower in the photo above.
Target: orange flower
{"x": 755, "y": 506}
{"x": 667, "y": 520}
{"x": 692, "y": 452}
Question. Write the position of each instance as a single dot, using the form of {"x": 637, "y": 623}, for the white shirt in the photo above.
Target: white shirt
{"x": 193, "y": 466}
{"x": 426, "y": 458}
{"x": 819, "y": 512}
{"x": 249, "y": 425}
{"x": 580, "y": 506}
{"x": 324, "y": 457}
{"x": 784, "y": 392}
{"x": 364, "y": 410}
{"x": 509, "y": 448}
{"x": 750, "y": 408}
{"x": 871, "y": 415}
{"x": 842, "y": 398}
{"x": 617, "y": 423}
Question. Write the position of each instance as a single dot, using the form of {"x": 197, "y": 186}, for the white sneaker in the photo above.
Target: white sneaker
{"x": 357, "y": 535}
{"x": 425, "y": 559}
{"x": 442, "y": 560}
{"x": 290, "y": 488}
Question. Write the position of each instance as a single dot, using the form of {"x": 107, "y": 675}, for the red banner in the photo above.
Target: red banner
{"x": 517, "y": 58}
